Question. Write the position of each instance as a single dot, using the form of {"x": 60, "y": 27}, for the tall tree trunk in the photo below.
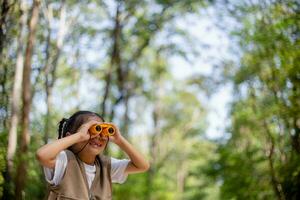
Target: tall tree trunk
{"x": 153, "y": 155}
{"x": 16, "y": 97}
{"x": 154, "y": 140}
{"x": 76, "y": 77}
{"x": 26, "y": 97}
{"x": 48, "y": 13}
{"x": 115, "y": 59}
{"x": 50, "y": 71}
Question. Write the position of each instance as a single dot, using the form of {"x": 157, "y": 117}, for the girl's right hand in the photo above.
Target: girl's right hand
{"x": 83, "y": 130}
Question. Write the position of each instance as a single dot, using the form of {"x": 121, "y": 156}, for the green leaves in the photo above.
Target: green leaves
{"x": 261, "y": 146}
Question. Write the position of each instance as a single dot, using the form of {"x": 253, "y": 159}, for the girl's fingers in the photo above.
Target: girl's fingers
{"x": 90, "y": 123}
{"x": 85, "y": 127}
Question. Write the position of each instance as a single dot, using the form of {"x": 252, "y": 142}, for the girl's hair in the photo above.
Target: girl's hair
{"x": 74, "y": 122}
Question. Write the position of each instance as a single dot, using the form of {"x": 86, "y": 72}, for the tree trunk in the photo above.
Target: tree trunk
{"x": 115, "y": 59}
{"x": 26, "y": 97}
{"x": 16, "y": 94}
{"x": 51, "y": 67}
{"x": 48, "y": 14}
{"x": 154, "y": 141}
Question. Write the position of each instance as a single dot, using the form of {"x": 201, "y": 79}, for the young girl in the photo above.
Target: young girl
{"x": 74, "y": 166}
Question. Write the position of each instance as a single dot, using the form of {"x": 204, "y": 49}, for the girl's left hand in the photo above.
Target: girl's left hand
{"x": 117, "y": 137}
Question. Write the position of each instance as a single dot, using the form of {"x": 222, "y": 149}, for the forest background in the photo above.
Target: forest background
{"x": 207, "y": 90}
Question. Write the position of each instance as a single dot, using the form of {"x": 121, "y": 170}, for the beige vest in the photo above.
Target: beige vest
{"x": 74, "y": 184}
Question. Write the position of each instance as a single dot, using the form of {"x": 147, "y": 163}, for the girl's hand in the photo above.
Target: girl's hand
{"x": 117, "y": 137}
{"x": 83, "y": 130}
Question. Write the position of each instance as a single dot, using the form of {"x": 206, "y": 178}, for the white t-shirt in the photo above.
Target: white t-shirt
{"x": 54, "y": 176}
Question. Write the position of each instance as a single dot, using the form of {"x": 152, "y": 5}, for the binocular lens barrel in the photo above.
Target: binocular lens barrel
{"x": 111, "y": 130}
{"x": 98, "y": 128}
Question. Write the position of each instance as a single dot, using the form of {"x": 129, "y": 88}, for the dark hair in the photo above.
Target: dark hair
{"x": 74, "y": 122}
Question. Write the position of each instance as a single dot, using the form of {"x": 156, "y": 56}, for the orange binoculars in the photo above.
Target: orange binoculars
{"x": 104, "y": 129}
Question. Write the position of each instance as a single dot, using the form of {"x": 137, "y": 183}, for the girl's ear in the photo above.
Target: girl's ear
{"x": 68, "y": 134}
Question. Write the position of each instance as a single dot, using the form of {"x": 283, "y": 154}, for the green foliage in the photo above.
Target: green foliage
{"x": 259, "y": 159}
{"x": 3, "y": 137}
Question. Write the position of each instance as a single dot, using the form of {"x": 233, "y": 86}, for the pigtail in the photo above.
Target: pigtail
{"x": 61, "y": 127}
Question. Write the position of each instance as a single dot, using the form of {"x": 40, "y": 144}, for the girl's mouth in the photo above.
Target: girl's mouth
{"x": 97, "y": 143}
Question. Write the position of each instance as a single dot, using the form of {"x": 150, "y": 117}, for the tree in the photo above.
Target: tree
{"x": 26, "y": 98}
{"x": 264, "y": 134}
{"x": 16, "y": 93}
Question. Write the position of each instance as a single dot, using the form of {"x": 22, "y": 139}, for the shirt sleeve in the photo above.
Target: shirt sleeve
{"x": 118, "y": 174}
{"x": 54, "y": 176}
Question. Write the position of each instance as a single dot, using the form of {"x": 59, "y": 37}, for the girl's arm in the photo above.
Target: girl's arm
{"x": 138, "y": 163}
{"x": 46, "y": 155}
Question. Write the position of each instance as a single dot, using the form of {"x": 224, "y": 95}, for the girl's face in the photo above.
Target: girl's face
{"x": 95, "y": 145}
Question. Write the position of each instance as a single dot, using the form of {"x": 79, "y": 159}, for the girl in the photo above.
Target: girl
{"x": 74, "y": 166}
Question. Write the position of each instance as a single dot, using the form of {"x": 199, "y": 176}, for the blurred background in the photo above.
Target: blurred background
{"x": 207, "y": 90}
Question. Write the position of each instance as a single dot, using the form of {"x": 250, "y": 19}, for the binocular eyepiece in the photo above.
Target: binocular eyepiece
{"x": 104, "y": 129}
